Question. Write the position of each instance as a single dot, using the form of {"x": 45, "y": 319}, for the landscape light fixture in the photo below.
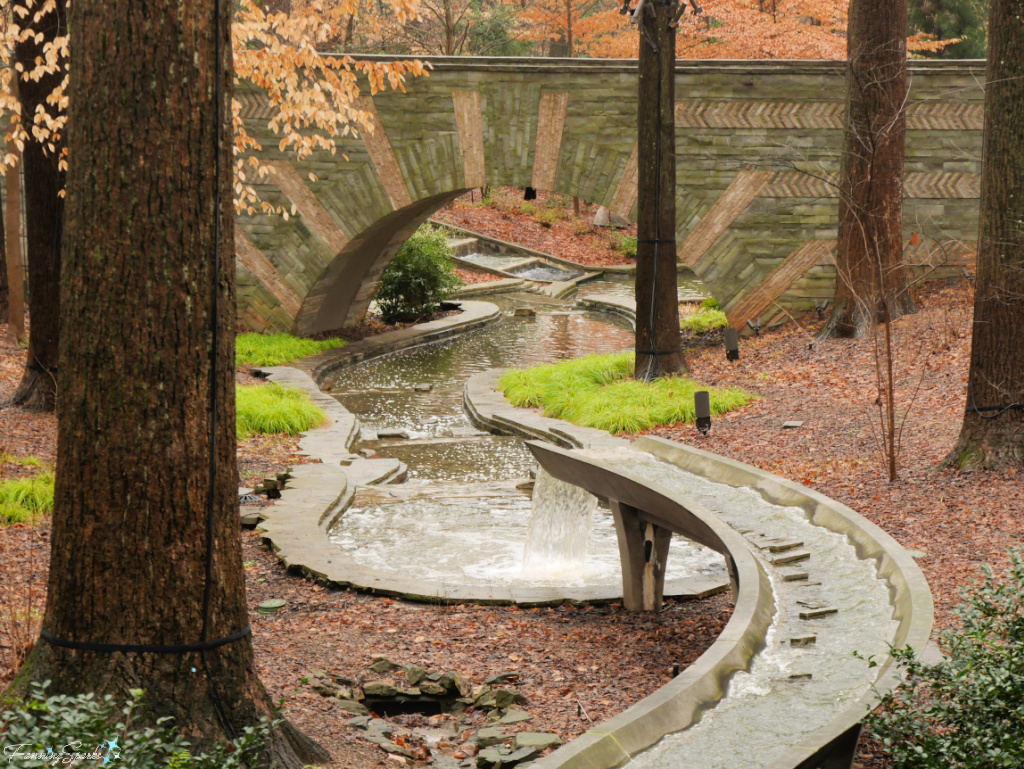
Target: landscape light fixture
{"x": 755, "y": 326}
{"x": 529, "y": 194}
{"x": 821, "y": 308}
{"x": 732, "y": 344}
{"x": 702, "y": 406}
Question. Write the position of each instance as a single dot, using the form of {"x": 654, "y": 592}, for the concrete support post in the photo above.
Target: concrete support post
{"x": 643, "y": 551}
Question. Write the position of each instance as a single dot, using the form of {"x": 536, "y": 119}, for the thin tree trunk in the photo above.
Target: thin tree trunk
{"x": 5, "y": 292}
{"x": 12, "y": 243}
{"x": 658, "y": 340}
{"x": 146, "y": 491}
{"x": 992, "y": 435}
{"x": 44, "y": 223}
{"x": 871, "y": 279}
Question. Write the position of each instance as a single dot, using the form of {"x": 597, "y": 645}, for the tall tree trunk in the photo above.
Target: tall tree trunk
{"x": 44, "y": 221}
{"x": 992, "y": 435}
{"x": 871, "y": 279}
{"x": 658, "y": 340}
{"x": 12, "y": 252}
{"x": 145, "y": 547}
{"x": 5, "y": 292}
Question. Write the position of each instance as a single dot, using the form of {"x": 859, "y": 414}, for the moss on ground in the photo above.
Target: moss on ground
{"x": 269, "y": 409}
{"x": 599, "y": 391}
{"x": 24, "y": 500}
{"x": 277, "y": 349}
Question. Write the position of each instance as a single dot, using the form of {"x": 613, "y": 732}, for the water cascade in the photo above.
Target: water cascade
{"x": 556, "y": 539}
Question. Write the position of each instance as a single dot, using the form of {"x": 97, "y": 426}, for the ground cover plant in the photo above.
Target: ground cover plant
{"x": 599, "y": 391}
{"x": 277, "y": 349}
{"x": 271, "y": 408}
{"x": 418, "y": 279}
{"x": 967, "y": 711}
{"x": 708, "y": 317}
{"x": 25, "y": 499}
{"x": 52, "y": 729}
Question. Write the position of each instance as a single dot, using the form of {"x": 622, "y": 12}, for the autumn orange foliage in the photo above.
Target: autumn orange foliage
{"x": 724, "y": 29}
{"x": 312, "y": 95}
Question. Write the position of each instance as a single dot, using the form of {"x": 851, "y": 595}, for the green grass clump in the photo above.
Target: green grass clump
{"x": 26, "y": 499}
{"x": 704, "y": 320}
{"x": 277, "y": 349}
{"x": 599, "y": 391}
{"x": 269, "y": 409}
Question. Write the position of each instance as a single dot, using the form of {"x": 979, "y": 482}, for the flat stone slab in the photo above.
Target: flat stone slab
{"x": 538, "y": 740}
{"x": 823, "y": 611}
{"x": 779, "y": 545}
{"x": 793, "y": 556}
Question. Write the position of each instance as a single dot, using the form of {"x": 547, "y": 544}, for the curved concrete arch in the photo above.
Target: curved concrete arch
{"x": 757, "y": 148}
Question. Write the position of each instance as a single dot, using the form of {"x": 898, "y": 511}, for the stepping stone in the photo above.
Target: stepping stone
{"x": 792, "y": 424}
{"x": 523, "y": 754}
{"x": 492, "y": 735}
{"x": 501, "y": 678}
{"x": 803, "y": 640}
{"x": 793, "y": 575}
{"x": 822, "y": 611}
{"x": 780, "y": 545}
{"x": 423, "y": 388}
{"x": 799, "y": 677}
{"x": 538, "y": 740}
{"x": 515, "y": 717}
{"x": 793, "y": 556}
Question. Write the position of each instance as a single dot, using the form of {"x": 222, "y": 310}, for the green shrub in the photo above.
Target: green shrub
{"x": 599, "y": 391}
{"x": 418, "y": 279}
{"x": 528, "y": 209}
{"x": 277, "y": 349}
{"x": 625, "y": 245}
{"x": 270, "y": 408}
{"x": 52, "y": 728}
{"x": 967, "y": 712}
{"x": 710, "y": 304}
{"x": 549, "y": 216}
{"x": 703, "y": 320}
{"x": 26, "y": 499}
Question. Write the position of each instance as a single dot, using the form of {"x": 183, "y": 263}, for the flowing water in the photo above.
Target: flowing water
{"x": 690, "y": 289}
{"x": 562, "y": 515}
{"x": 453, "y": 519}
{"x": 810, "y": 684}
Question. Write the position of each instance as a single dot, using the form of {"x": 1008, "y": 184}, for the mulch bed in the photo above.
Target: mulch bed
{"x": 573, "y": 238}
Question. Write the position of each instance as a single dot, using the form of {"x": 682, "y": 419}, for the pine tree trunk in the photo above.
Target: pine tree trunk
{"x": 658, "y": 340}
{"x": 44, "y": 222}
{"x": 12, "y": 253}
{"x": 992, "y": 435}
{"x": 5, "y": 292}
{"x": 871, "y": 278}
{"x": 141, "y": 297}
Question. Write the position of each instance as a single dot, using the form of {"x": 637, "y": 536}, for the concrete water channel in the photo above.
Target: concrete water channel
{"x": 463, "y": 513}
{"x": 813, "y": 581}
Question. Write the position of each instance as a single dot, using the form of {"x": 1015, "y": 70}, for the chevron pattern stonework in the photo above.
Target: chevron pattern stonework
{"x": 757, "y": 148}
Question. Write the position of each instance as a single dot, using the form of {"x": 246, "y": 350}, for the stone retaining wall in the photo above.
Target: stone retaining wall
{"x": 757, "y": 148}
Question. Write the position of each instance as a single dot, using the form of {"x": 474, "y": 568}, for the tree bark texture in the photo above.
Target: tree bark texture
{"x": 658, "y": 340}
{"x": 871, "y": 279}
{"x": 5, "y": 292}
{"x": 12, "y": 253}
{"x": 992, "y": 435}
{"x": 129, "y": 540}
{"x": 44, "y": 221}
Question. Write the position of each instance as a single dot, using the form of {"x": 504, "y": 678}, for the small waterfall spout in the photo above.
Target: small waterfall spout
{"x": 556, "y": 539}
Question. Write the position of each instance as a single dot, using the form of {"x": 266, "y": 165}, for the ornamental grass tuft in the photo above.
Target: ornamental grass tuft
{"x": 599, "y": 391}
{"x": 26, "y": 499}
{"x": 277, "y": 349}
{"x": 704, "y": 320}
{"x": 270, "y": 408}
